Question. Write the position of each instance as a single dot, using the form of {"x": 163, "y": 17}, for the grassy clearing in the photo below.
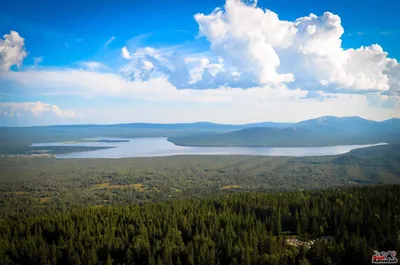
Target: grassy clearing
{"x": 20, "y": 193}
{"x": 107, "y": 185}
{"x": 138, "y": 187}
{"x": 230, "y": 187}
{"x": 97, "y": 206}
{"x": 44, "y": 200}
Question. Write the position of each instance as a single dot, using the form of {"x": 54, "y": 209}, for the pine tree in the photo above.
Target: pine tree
{"x": 92, "y": 260}
{"x": 304, "y": 262}
{"x": 321, "y": 230}
{"x": 278, "y": 223}
{"x": 159, "y": 261}
{"x": 109, "y": 260}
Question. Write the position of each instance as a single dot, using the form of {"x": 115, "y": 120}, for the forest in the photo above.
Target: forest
{"x": 333, "y": 226}
{"x": 35, "y": 186}
{"x": 200, "y": 209}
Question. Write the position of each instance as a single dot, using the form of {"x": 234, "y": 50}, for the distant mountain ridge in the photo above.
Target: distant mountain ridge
{"x": 322, "y": 131}
{"x": 320, "y": 121}
{"x": 190, "y": 125}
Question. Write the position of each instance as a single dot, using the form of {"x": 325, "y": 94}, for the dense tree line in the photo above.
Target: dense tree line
{"x": 340, "y": 226}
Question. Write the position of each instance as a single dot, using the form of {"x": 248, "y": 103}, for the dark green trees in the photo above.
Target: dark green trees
{"x": 335, "y": 226}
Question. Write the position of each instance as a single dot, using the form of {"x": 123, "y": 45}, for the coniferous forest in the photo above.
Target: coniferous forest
{"x": 332, "y": 226}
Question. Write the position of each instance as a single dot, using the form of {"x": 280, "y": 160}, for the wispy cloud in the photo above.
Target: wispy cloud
{"x": 33, "y": 109}
{"x": 109, "y": 41}
{"x": 93, "y": 65}
{"x": 138, "y": 41}
{"x": 37, "y": 60}
{"x": 182, "y": 30}
{"x": 91, "y": 83}
{"x": 261, "y": 103}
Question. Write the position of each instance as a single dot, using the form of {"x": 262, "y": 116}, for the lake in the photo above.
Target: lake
{"x": 150, "y": 147}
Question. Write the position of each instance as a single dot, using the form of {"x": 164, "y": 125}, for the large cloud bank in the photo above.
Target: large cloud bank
{"x": 254, "y": 58}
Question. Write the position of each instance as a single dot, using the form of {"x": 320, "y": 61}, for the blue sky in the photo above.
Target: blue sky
{"x": 178, "y": 61}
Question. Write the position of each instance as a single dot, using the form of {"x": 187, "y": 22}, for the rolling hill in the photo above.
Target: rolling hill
{"x": 323, "y": 131}
{"x": 254, "y": 137}
{"x": 331, "y": 123}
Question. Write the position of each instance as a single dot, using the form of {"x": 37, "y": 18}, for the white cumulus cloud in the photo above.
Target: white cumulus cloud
{"x": 265, "y": 50}
{"x": 308, "y": 50}
{"x": 12, "y": 50}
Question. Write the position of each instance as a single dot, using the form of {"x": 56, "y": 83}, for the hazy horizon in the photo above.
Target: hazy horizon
{"x": 191, "y": 122}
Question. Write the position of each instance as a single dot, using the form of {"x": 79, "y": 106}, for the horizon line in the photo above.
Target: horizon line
{"x": 194, "y": 122}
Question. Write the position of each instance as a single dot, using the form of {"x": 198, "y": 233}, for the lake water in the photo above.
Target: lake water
{"x": 150, "y": 147}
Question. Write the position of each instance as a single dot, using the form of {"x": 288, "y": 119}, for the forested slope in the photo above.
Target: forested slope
{"x": 32, "y": 186}
{"x": 335, "y": 226}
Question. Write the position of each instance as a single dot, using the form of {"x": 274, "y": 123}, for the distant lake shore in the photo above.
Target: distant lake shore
{"x": 160, "y": 146}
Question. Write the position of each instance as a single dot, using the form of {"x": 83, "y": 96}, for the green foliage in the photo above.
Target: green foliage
{"x": 30, "y": 186}
{"x": 230, "y": 229}
{"x": 390, "y": 150}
